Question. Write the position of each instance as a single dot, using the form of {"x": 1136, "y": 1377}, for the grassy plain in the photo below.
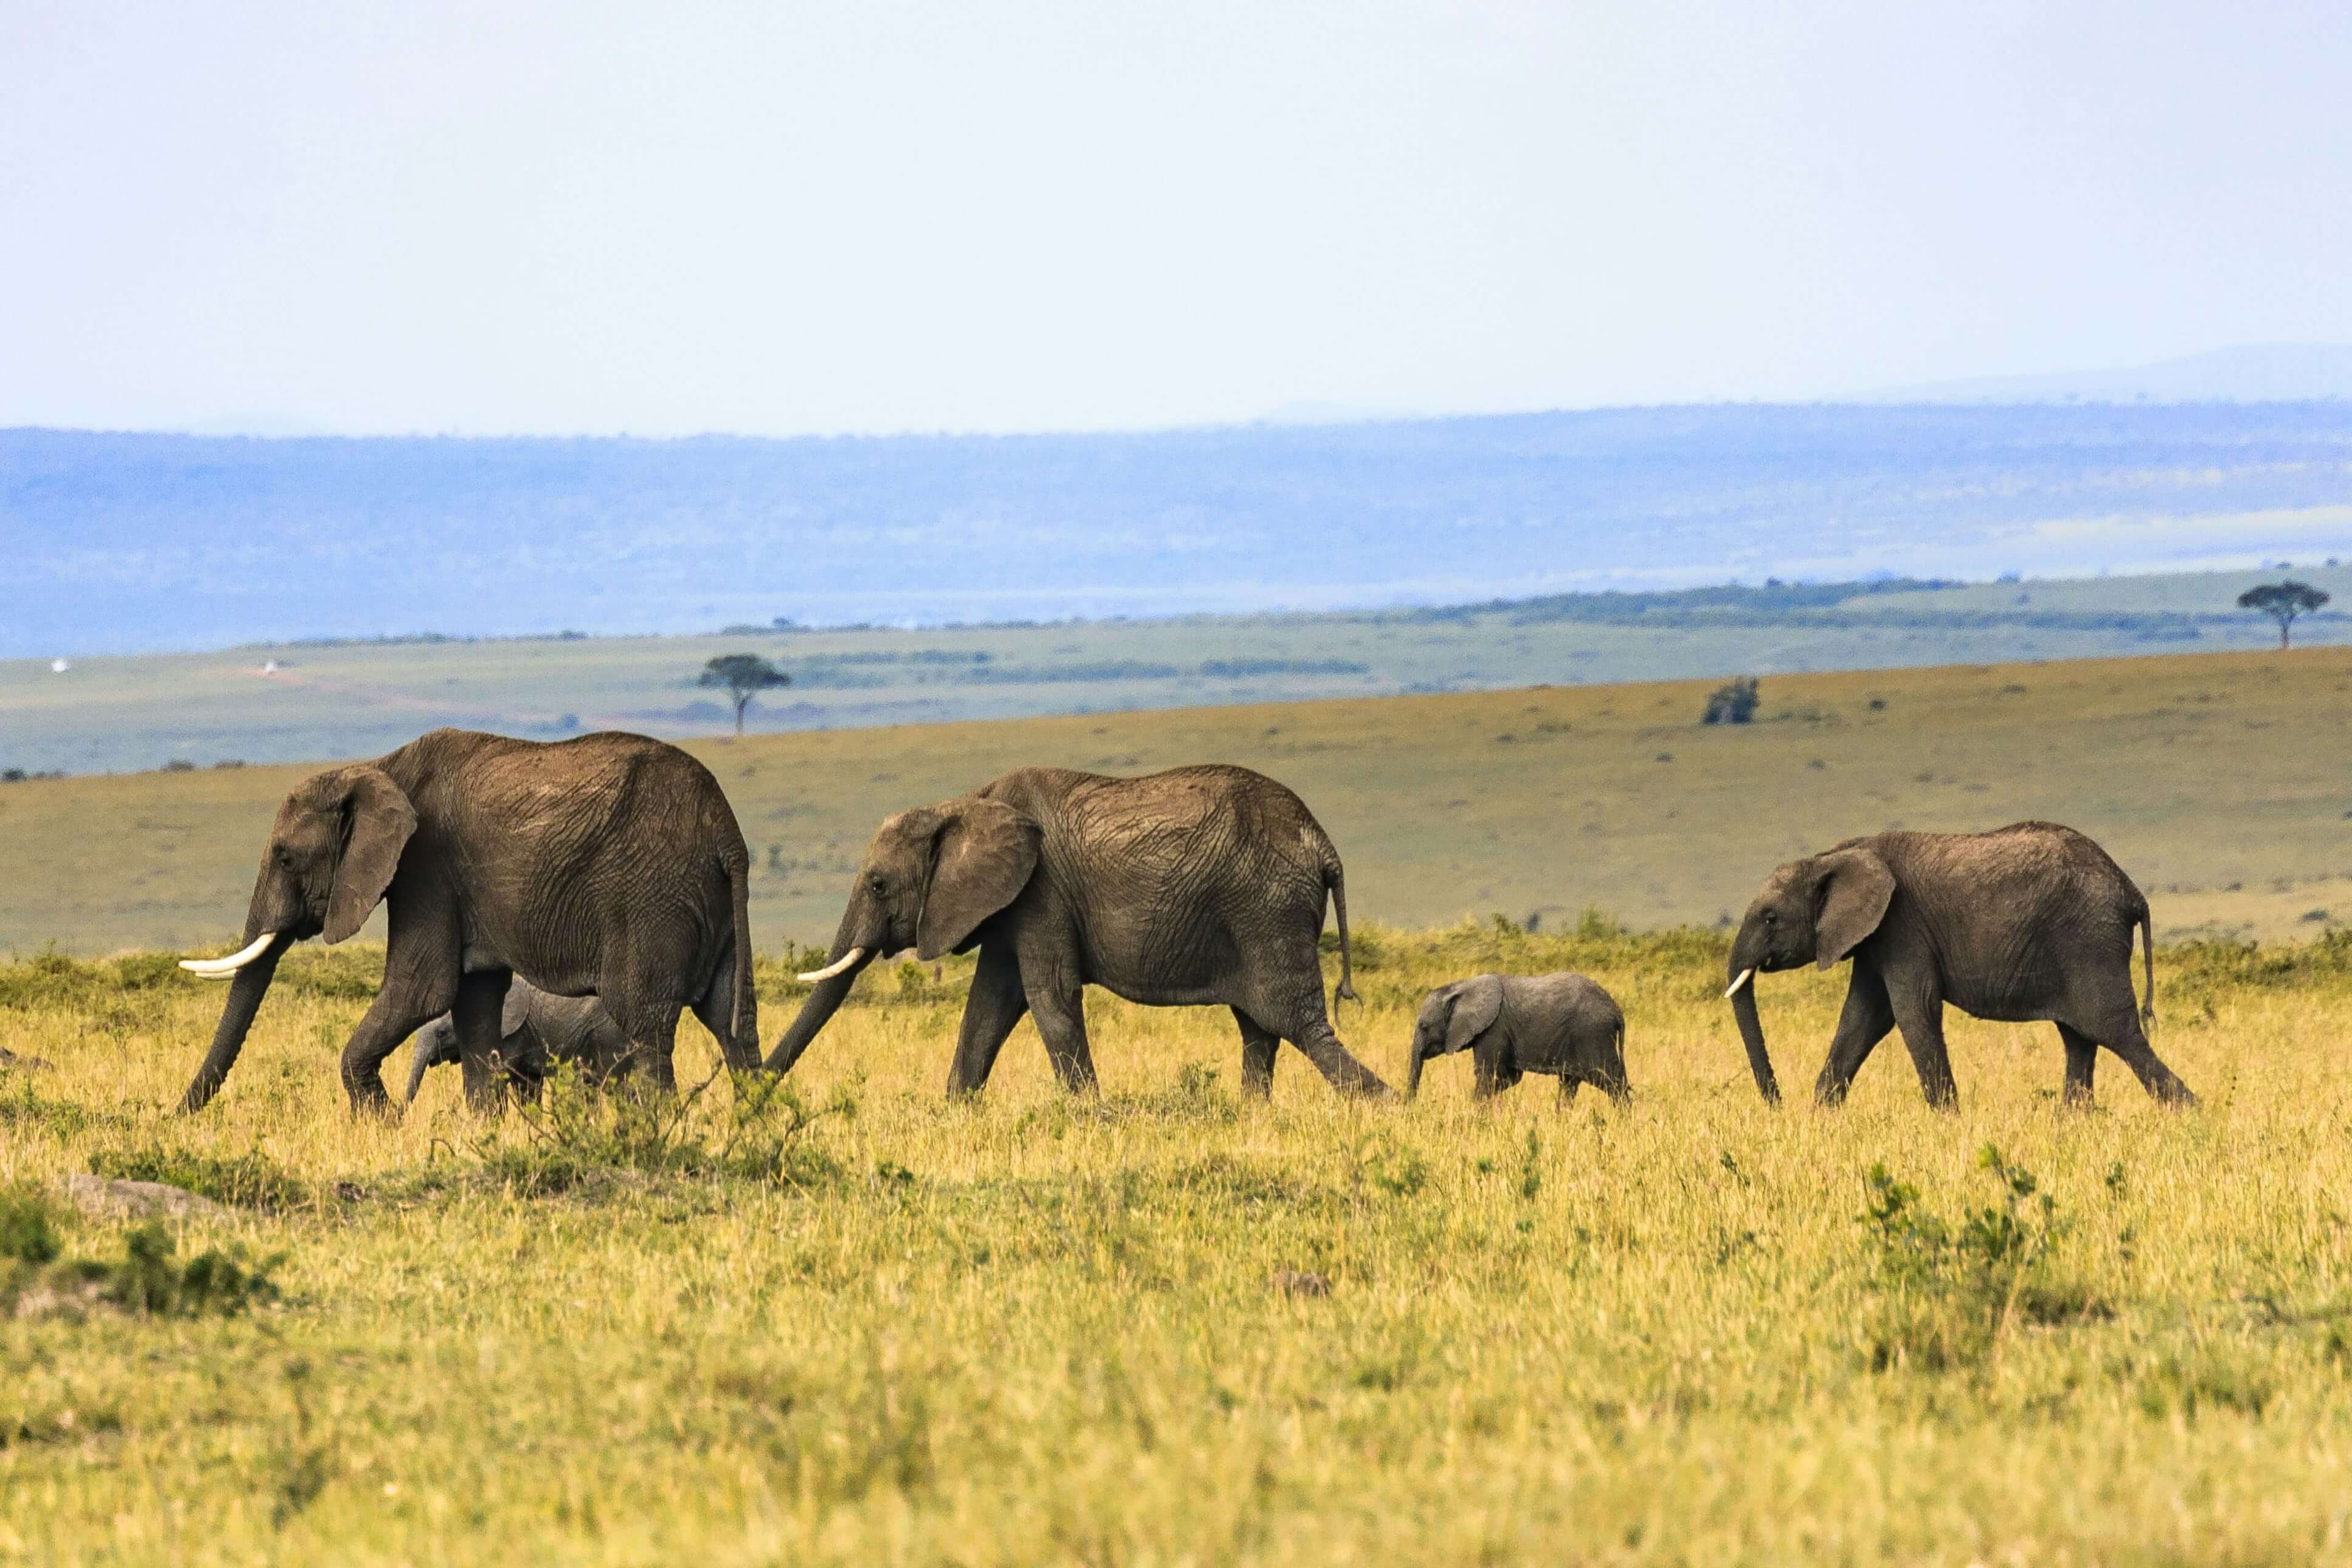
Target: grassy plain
{"x": 357, "y": 699}
{"x": 2218, "y": 780}
{"x": 1034, "y": 1330}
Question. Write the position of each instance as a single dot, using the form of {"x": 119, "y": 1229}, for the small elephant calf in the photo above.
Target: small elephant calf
{"x": 536, "y": 1030}
{"x": 1563, "y": 1024}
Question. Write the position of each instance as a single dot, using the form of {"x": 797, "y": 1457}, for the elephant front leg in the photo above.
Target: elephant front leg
{"x": 1868, "y": 1016}
{"x": 994, "y": 1007}
{"x": 397, "y": 1011}
{"x": 1491, "y": 1072}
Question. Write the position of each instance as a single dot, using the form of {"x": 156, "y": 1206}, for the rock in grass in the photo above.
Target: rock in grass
{"x": 1291, "y": 1282}
{"x": 104, "y": 1199}
{"x": 9, "y": 1058}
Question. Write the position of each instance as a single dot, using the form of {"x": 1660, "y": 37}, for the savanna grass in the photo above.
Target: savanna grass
{"x": 757, "y": 1327}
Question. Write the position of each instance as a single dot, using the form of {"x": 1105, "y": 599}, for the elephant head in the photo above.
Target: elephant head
{"x": 331, "y": 854}
{"x": 929, "y": 878}
{"x": 1816, "y": 910}
{"x": 1452, "y": 1019}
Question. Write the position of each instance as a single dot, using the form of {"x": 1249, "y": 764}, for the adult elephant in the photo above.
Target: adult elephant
{"x": 2027, "y": 922}
{"x": 1195, "y": 887}
{"x": 609, "y": 864}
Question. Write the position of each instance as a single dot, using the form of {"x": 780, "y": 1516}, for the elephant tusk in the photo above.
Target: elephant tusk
{"x": 1745, "y": 976}
{"x": 221, "y": 968}
{"x": 836, "y": 966}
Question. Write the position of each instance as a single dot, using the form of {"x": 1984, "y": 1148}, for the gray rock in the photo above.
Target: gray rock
{"x": 104, "y": 1199}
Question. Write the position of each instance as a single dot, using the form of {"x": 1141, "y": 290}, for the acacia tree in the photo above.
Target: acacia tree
{"x": 2281, "y": 602}
{"x": 745, "y": 675}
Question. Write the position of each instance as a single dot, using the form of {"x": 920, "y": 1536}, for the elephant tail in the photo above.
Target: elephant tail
{"x": 2148, "y": 961}
{"x": 1335, "y": 882}
{"x": 745, "y": 1024}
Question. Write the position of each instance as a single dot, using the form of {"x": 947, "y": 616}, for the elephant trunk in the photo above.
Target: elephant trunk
{"x": 245, "y": 993}
{"x": 1413, "y": 1068}
{"x": 860, "y": 939}
{"x": 423, "y": 1051}
{"x": 1751, "y": 1029}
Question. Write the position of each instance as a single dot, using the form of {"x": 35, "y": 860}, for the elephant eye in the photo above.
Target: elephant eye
{"x": 1770, "y": 918}
{"x": 877, "y": 884}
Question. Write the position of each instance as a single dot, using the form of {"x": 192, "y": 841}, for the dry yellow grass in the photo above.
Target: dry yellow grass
{"x": 1039, "y": 1330}
{"x": 1034, "y": 1330}
{"x": 2219, "y": 781}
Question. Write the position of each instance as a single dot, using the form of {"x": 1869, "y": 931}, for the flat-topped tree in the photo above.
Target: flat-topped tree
{"x": 2283, "y": 602}
{"x": 745, "y": 675}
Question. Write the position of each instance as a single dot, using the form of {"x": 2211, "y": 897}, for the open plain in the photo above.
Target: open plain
{"x": 854, "y": 1323}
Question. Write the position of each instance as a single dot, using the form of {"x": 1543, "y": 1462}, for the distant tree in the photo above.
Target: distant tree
{"x": 2281, "y": 602}
{"x": 745, "y": 675}
{"x": 1734, "y": 703}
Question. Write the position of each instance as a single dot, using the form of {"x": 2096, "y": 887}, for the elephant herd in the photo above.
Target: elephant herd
{"x": 568, "y": 900}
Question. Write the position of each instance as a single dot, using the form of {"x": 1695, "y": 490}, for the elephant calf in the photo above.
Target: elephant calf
{"x": 2029, "y": 922}
{"x": 536, "y": 1030}
{"x": 1564, "y": 1025}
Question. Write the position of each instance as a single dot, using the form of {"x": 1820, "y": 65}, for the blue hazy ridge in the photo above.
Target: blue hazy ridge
{"x": 122, "y": 543}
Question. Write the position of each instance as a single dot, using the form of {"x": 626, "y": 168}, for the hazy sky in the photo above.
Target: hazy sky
{"x": 794, "y": 218}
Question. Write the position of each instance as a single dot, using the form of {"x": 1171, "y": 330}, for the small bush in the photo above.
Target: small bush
{"x": 1947, "y": 1293}
{"x": 579, "y": 1137}
{"x": 148, "y": 1280}
{"x": 28, "y": 1225}
{"x": 1732, "y": 703}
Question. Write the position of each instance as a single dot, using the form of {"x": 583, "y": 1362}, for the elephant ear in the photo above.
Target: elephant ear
{"x": 981, "y": 856}
{"x": 1477, "y": 1005}
{"x": 515, "y": 1011}
{"x": 1851, "y": 894}
{"x": 378, "y": 820}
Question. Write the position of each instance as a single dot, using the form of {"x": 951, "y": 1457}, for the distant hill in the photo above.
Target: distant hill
{"x": 133, "y": 542}
{"x": 2258, "y": 373}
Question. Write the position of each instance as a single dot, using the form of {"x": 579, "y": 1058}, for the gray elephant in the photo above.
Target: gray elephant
{"x": 536, "y": 1030}
{"x": 1562, "y": 1024}
{"x": 1191, "y": 888}
{"x": 609, "y": 864}
{"x": 2029, "y": 922}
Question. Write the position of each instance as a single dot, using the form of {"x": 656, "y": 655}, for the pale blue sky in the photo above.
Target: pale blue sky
{"x": 782, "y": 218}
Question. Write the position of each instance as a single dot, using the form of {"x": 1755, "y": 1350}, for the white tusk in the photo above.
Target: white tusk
{"x": 1745, "y": 976}
{"x": 836, "y": 966}
{"x": 221, "y": 968}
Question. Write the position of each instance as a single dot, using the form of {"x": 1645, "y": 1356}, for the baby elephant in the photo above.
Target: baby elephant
{"x": 536, "y": 1030}
{"x": 1513, "y": 1023}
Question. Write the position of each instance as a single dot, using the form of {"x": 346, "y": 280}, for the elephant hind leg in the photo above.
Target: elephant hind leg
{"x": 1061, "y": 1014}
{"x": 716, "y": 1009}
{"x": 2119, "y": 1030}
{"x": 651, "y": 1025}
{"x": 1919, "y": 1014}
{"x": 1259, "y": 1047}
{"x": 2082, "y": 1061}
{"x": 1309, "y": 1028}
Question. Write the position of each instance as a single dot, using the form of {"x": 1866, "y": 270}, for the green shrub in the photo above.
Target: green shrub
{"x": 580, "y": 1136}
{"x": 28, "y": 1225}
{"x": 1947, "y": 1292}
